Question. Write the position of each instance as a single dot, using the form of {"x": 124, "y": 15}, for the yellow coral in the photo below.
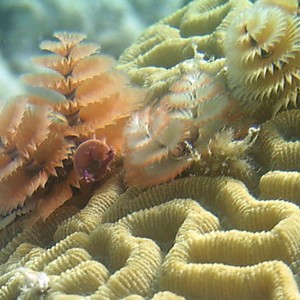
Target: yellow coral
{"x": 149, "y": 241}
{"x": 40, "y": 234}
{"x": 155, "y": 60}
{"x": 290, "y": 6}
{"x": 229, "y": 282}
{"x": 91, "y": 215}
{"x": 277, "y": 146}
{"x": 280, "y": 184}
{"x": 249, "y": 220}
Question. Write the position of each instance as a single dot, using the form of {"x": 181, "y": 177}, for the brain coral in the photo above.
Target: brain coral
{"x": 149, "y": 241}
{"x": 278, "y": 146}
{"x": 156, "y": 58}
{"x": 279, "y": 149}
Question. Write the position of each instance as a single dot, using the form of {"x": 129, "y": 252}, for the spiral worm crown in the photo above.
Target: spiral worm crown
{"x": 263, "y": 58}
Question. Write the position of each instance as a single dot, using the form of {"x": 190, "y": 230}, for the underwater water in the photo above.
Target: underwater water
{"x": 114, "y": 24}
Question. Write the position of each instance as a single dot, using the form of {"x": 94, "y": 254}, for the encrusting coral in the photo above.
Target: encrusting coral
{"x": 224, "y": 197}
{"x": 290, "y": 6}
{"x": 90, "y": 216}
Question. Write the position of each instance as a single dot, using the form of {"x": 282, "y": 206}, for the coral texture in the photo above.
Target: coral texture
{"x": 149, "y": 241}
{"x": 290, "y": 6}
{"x": 156, "y": 58}
{"x": 278, "y": 152}
{"x": 278, "y": 146}
{"x": 280, "y": 184}
{"x": 261, "y": 47}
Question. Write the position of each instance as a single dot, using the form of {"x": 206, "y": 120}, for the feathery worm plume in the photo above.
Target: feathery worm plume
{"x": 164, "y": 140}
{"x": 262, "y": 49}
{"x": 79, "y": 97}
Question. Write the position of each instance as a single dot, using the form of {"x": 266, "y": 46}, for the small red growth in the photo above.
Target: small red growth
{"x": 92, "y": 159}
